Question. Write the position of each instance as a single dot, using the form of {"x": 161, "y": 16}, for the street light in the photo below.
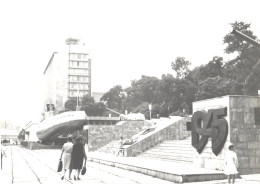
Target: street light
{"x": 122, "y": 95}
{"x": 150, "y": 109}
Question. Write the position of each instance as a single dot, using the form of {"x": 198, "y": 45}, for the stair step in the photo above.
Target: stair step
{"x": 168, "y": 155}
{"x": 171, "y": 150}
{"x": 170, "y": 160}
{"x": 183, "y": 159}
{"x": 174, "y": 147}
{"x": 177, "y": 143}
{"x": 167, "y": 152}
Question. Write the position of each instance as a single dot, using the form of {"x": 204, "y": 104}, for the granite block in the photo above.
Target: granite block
{"x": 243, "y": 160}
{"x": 257, "y": 162}
{"x": 252, "y": 145}
{"x": 243, "y": 137}
{"x": 249, "y": 153}
{"x": 237, "y": 117}
{"x": 252, "y": 162}
{"x": 257, "y": 153}
{"x": 252, "y": 137}
{"x": 249, "y": 118}
{"x": 245, "y": 170}
{"x": 239, "y": 152}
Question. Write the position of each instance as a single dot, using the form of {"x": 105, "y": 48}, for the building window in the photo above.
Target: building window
{"x": 78, "y": 56}
{"x": 85, "y": 56}
{"x": 71, "y": 93}
{"x": 72, "y": 56}
{"x": 73, "y": 78}
{"x": 76, "y": 86}
{"x": 85, "y": 86}
{"x": 81, "y": 86}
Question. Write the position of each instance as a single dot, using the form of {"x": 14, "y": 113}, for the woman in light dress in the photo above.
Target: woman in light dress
{"x": 67, "y": 149}
{"x": 231, "y": 164}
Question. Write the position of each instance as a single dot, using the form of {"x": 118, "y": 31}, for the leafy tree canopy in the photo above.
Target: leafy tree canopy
{"x": 174, "y": 95}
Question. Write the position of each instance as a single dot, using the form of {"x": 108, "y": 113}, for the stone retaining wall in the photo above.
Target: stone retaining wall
{"x": 169, "y": 130}
{"x": 100, "y": 135}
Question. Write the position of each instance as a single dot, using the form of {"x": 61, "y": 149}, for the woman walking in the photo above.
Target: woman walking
{"x": 77, "y": 156}
{"x": 231, "y": 164}
{"x": 67, "y": 149}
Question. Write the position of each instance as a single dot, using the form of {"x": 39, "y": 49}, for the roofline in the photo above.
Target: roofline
{"x": 49, "y": 61}
{"x": 227, "y": 96}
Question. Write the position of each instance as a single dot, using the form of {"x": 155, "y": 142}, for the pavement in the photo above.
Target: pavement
{"x": 23, "y": 166}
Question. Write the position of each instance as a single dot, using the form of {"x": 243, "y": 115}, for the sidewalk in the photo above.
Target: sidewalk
{"x": 6, "y": 171}
{"x": 17, "y": 169}
{"x": 157, "y": 168}
{"x": 22, "y": 166}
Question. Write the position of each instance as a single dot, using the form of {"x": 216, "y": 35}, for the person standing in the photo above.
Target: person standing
{"x": 67, "y": 149}
{"x": 77, "y": 156}
{"x": 121, "y": 144}
{"x": 231, "y": 164}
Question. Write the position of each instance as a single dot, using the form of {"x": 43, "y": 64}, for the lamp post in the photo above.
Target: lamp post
{"x": 150, "y": 109}
{"x": 123, "y": 95}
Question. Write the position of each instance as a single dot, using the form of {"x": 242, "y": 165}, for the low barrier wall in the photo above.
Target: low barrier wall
{"x": 169, "y": 129}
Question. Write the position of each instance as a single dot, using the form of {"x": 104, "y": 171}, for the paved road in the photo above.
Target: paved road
{"x": 23, "y": 166}
{"x": 39, "y": 167}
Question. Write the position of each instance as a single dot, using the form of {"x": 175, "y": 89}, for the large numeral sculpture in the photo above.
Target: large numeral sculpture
{"x": 211, "y": 124}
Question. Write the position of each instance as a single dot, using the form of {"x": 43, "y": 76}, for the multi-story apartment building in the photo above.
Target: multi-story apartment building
{"x": 67, "y": 75}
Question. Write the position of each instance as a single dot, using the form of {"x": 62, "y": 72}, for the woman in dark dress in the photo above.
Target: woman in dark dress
{"x": 77, "y": 155}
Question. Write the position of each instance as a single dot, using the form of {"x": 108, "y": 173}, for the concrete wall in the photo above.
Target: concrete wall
{"x": 243, "y": 133}
{"x": 169, "y": 129}
{"x": 101, "y": 134}
{"x": 56, "y": 81}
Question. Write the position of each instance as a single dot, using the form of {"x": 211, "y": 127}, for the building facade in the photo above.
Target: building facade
{"x": 67, "y": 75}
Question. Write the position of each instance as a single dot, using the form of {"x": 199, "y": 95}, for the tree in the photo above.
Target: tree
{"x": 94, "y": 109}
{"x": 112, "y": 98}
{"x": 245, "y": 64}
{"x": 213, "y": 69}
{"x": 91, "y": 108}
{"x": 142, "y": 108}
{"x": 71, "y": 104}
{"x": 236, "y": 44}
{"x": 181, "y": 67}
{"x": 143, "y": 90}
{"x": 87, "y": 99}
{"x": 213, "y": 87}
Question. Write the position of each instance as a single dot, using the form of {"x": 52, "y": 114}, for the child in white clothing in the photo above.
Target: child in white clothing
{"x": 231, "y": 164}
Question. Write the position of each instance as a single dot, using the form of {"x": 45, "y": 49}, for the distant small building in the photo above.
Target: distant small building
{"x": 8, "y": 136}
{"x": 30, "y": 132}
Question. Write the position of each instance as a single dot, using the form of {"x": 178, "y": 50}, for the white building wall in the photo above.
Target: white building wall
{"x": 56, "y": 76}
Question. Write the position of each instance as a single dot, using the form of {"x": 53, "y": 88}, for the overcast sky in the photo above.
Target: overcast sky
{"x": 125, "y": 39}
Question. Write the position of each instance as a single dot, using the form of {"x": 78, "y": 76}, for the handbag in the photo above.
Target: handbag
{"x": 60, "y": 166}
{"x": 83, "y": 171}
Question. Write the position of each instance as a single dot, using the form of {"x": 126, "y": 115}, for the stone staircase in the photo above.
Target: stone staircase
{"x": 179, "y": 151}
{"x": 108, "y": 148}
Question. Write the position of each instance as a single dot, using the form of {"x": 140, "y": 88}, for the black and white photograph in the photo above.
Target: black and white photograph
{"x": 130, "y": 92}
